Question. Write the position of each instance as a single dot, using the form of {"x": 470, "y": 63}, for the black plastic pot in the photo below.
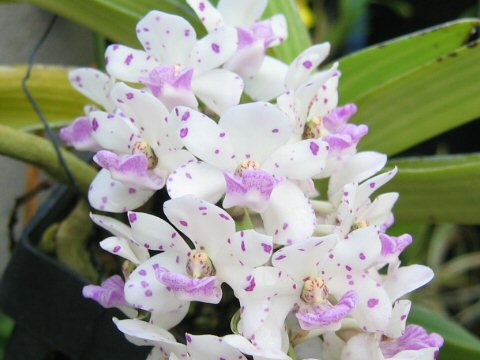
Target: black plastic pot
{"x": 45, "y": 300}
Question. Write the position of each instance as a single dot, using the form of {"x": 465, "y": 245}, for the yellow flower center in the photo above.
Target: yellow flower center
{"x": 199, "y": 265}
{"x": 141, "y": 147}
{"x": 314, "y": 129}
{"x": 314, "y": 291}
{"x": 247, "y": 165}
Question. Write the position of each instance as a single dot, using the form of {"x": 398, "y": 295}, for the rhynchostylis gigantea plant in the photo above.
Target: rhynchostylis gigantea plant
{"x": 243, "y": 113}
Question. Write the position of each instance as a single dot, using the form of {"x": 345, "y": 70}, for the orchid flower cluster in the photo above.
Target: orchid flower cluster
{"x": 314, "y": 279}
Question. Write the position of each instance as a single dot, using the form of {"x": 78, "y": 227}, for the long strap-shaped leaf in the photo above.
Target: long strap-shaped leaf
{"x": 40, "y": 152}
{"x": 423, "y": 103}
{"x": 49, "y": 85}
{"x": 438, "y": 189}
{"x": 114, "y": 19}
{"x": 365, "y": 70}
{"x": 459, "y": 343}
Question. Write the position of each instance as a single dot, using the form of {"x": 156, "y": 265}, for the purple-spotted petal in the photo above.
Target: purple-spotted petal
{"x": 268, "y": 82}
{"x": 208, "y": 347}
{"x": 241, "y": 13}
{"x": 289, "y": 217}
{"x": 143, "y": 333}
{"x": 300, "y": 161}
{"x": 112, "y": 225}
{"x": 356, "y": 168}
{"x": 218, "y": 89}
{"x": 94, "y": 84}
{"x": 128, "y": 64}
{"x": 129, "y": 169}
{"x": 205, "y": 289}
{"x": 207, "y": 225}
{"x": 305, "y": 63}
{"x": 326, "y": 315}
{"x": 326, "y": 98}
{"x": 414, "y": 338}
{"x": 252, "y": 189}
{"x": 256, "y": 130}
{"x": 123, "y": 248}
{"x": 396, "y": 327}
{"x": 207, "y": 13}
{"x": 148, "y": 114}
{"x": 113, "y": 132}
{"x": 107, "y": 194}
{"x": 247, "y": 247}
{"x": 109, "y": 294}
{"x": 205, "y": 139}
{"x": 368, "y": 187}
{"x": 156, "y": 234}
{"x": 300, "y": 259}
{"x": 168, "y": 38}
{"x": 199, "y": 179}
{"x": 79, "y": 135}
{"x": 143, "y": 290}
{"x": 213, "y": 50}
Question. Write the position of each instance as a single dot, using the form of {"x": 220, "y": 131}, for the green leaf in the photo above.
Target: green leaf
{"x": 459, "y": 343}
{"x": 298, "y": 37}
{"x": 437, "y": 189}
{"x": 423, "y": 103}
{"x": 368, "y": 69}
{"x": 40, "y": 152}
{"x": 115, "y": 19}
{"x": 49, "y": 85}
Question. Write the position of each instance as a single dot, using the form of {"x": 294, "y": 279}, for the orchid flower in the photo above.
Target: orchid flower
{"x": 175, "y": 66}
{"x": 180, "y": 273}
{"x": 247, "y": 158}
{"x": 142, "y": 147}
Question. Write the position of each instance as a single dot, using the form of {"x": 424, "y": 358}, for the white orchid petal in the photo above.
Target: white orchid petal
{"x": 396, "y": 327}
{"x": 112, "y": 132}
{"x": 110, "y": 195}
{"x": 207, "y": 225}
{"x": 362, "y": 347}
{"x": 213, "y": 50}
{"x": 205, "y": 139}
{"x": 268, "y": 82}
{"x": 168, "y": 38}
{"x": 128, "y": 64}
{"x": 199, "y": 179}
{"x": 94, "y": 84}
{"x": 255, "y": 130}
{"x": 207, "y": 13}
{"x": 289, "y": 217}
{"x": 402, "y": 280}
{"x": 146, "y": 111}
{"x": 241, "y": 13}
{"x": 301, "y": 160}
{"x": 143, "y": 290}
{"x": 120, "y": 247}
{"x": 208, "y": 347}
{"x": 156, "y": 234}
{"x": 218, "y": 89}
{"x": 304, "y": 64}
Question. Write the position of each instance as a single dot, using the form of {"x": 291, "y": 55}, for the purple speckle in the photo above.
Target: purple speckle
{"x": 143, "y": 272}
{"x": 222, "y": 134}
{"x": 132, "y": 217}
{"x": 280, "y": 257}
{"x": 185, "y": 116}
{"x": 348, "y": 268}
{"x": 372, "y": 303}
{"x": 94, "y": 124}
{"x": 189, "y": 338}
{"x": 215, "y": 48}
{"x": 183, "y": 223}
{"x": 242, "y": 245}
{"x": 129, "y": 96}
{"x": 148, "y": 293}
{"x": 128, "y": 59}
{"x": 183, "y": 132}
{"x": 307, "y": 64}
{"x": 314, "y": 147}
{"x": 104, "y": 199}
{"x": 267, "y": 248}
{"x": 201, "y": 6}
{"x": 117, "y": 248}
{"x": 132, "y": 191}
{"x": 372, "y": 185}
{"x": 285, "y": 226}
{"x": 275, "y": 131}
